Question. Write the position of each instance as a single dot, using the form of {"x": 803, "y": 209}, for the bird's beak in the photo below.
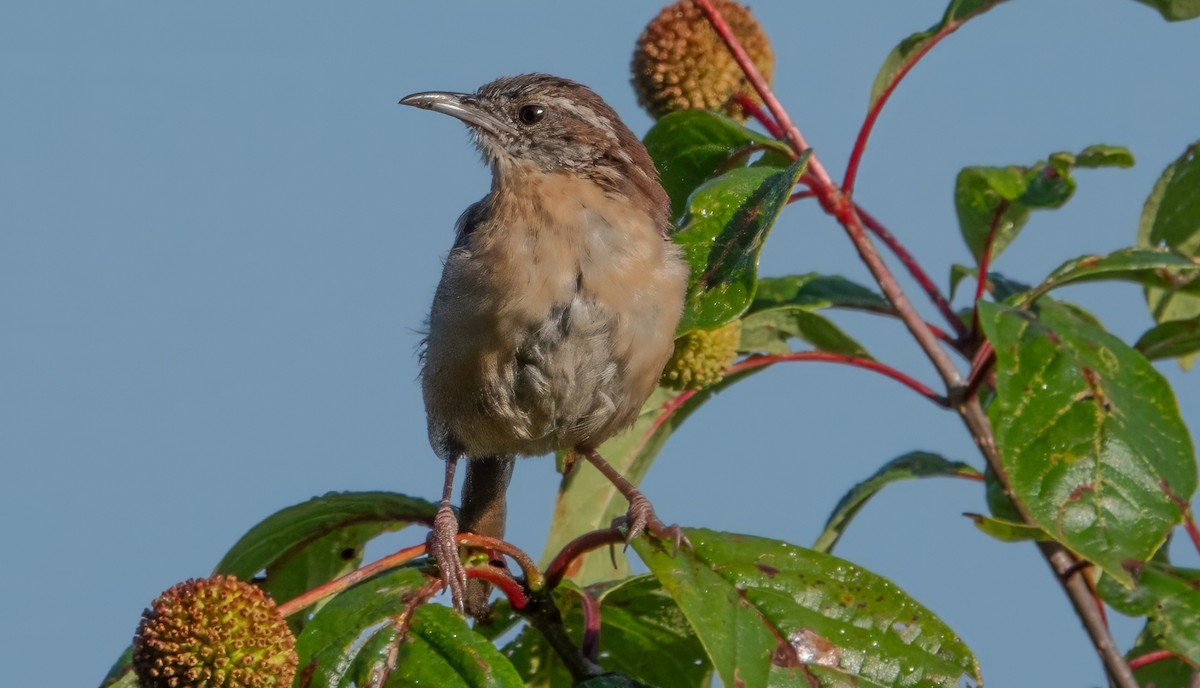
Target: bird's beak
{"x": 464, "y": 106}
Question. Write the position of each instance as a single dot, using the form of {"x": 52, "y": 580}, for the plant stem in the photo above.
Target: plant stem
{"x": 576, "y": 548}
{"x": 1150, "y": 658}
{"x": 505, "y": 583}
{"x": 838, "y": 204}
{"x": 532, "y": 574}
{"x": 752, "y": 108}
{"x": 856, "y": 361}
{"x": 358, "y": 575}
{"x": 864, "y": 132}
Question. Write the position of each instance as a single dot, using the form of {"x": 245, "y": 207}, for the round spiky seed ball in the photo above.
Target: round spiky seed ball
{"x": 701, "y": 357}
{"x": 680, "y": 63}
{"x": 214, "y": 632}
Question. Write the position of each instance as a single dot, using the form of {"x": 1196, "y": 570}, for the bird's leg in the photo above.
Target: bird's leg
{"x": 442, "y": 542}
{"x": 641, "y": 516}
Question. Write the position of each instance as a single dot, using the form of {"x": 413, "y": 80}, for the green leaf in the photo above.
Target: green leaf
{"x": 588, "y": 501}
{"x": 642, "y": 635}
{"x": 770, "y": 613}
{"x": 814, "y": 291}
{"x": 351, "y": 638}
{"x": 1101, "y": 155}
{"x": 1089, "y": 434}
{"x": 1169, "y": 597}
{"x": 1147, "y": 266}
{"x": 1166, "y": 673}
{"x": 1171, "y": 219}
{"x": 1172, "y": 339}
{"x": 311, "y": 543}
{"x": 1175, "y": 10}
{"x": 917, "y": 464}
{"x": 910, "y": 49}
{"x": 724, "y": 230}
{"x": 121, "y": 674}
{"x": 613, "y": 681}
{"x": 770, "y": 330}
{"x": 1006, "y": 531}
{"x": 692, "y": 146}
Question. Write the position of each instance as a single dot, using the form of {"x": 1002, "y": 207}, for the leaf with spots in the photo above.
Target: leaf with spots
{"x": 381, "y": 632}
{"x": 770, "y": 613}
{"x": 1089, "y": 434}
{"x": 693, "y": 146}
{"x": 723, "y": 233}
{"x": 1169, "y": 598}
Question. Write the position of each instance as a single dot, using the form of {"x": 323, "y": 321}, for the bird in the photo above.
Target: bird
{"x": 557, "y": 306}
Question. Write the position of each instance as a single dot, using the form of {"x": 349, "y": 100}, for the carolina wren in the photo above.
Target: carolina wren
{"x": 557, "y": 307}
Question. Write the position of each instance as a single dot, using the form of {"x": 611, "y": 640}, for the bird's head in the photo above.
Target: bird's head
{"x": 554, "y": 124}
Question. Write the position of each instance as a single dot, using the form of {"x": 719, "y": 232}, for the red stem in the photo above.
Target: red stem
{"x": 752, "y": 108}
{"x": 1189, "y": 524}
{"x": 914, "y": 268}
{"x": 505, "y": 583}
{"x": 985, "y": 264}
{"x": 791, "y": 134}
{"x": 801, "y": 195}
{"x": 981, "y": 368}
{"x": 869, "y": 364}
{"x": 532, "y": 574}
{"x": 864, "y": 132}
{"x": 576, "y": 548}
{"x": 590, "y": 647}
{"x": 1150, "y": 658}
{"x": 358, "y": 575}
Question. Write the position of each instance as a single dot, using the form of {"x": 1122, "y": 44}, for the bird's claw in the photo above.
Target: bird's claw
{"x": 442, "y": 545}
{"x": 641, "y": 519}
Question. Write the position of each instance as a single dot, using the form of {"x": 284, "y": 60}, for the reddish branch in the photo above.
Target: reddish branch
{"x": 511, "y": 587}
{"x": 864, "y": 132}
{"x": 576, "y": 548}
{"x": 836, "y": 201}
{"x": 856, "y": 361}
{"x": 985, "y": 263}
{"x": 356, "y": 576}
{"x": 752, "y": 108}
{"x": 1150, "y": 658}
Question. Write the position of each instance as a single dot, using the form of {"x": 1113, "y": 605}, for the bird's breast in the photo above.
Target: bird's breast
{"x": 552, "y": 323}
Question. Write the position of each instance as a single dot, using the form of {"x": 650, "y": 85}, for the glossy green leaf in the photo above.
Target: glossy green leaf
{"x": 1089, "y": 434}
{"x": 1171, "y": 219}
{"x": 910, "y": 49}
{"x": 1147, "y": 266}
{"x": 316, "y": 541}
{"x": 350, "y": 640}
{"x": 1172, "y": 339}
{"x": 1169, "y": 597}
{"x": 643, "y": 636}
{"x": 1175, "y": 10}
{"x": 588, "y": 501}
{"x": 770, "y": 613}
{"x": 692, "y": 146}
{"x": 770, "y": 331}
{"x": 814, "y": 291}
{"x": 1006, "y": 531}
{"x": 613, "y": 681}
{"x": 996, "y": 201}
{"x": 723, "y": 233}
{"x": 917, "y": 464}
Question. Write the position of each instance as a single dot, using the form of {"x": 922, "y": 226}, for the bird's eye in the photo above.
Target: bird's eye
{"x": 531, "y": 114}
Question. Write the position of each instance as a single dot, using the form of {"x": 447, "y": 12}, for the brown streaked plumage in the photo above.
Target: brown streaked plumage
{"x": 557, "y": 307}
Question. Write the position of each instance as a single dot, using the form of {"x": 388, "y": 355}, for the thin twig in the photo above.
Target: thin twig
{"x": 356, "y": 576}
{"x": 985, "y": 264}
{"x": 856, "y": 361}
{"x": 590, "y": 647}
{"x": 752, "y": 108}
{"x": 576, "y": 548}
{"x": 868, "y": 125}
{"x": 505, "y": 583}
{"x": 532, "y": 574}
{"x": 1150, "y": 658}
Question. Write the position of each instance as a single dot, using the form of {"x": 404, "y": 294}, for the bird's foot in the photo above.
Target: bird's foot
{"x": 442, "y": 546}
{"x": 641, "y": 519}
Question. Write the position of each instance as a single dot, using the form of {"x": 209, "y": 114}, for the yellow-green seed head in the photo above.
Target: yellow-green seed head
{"x": 680, "y": 63}
{"x": 214, "y": 632}
{"x": 701, "y": 357}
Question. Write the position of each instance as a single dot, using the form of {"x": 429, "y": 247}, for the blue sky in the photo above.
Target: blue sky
{"x": 220, "y": 234}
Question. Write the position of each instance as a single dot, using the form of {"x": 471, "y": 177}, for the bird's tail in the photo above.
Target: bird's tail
{"x": 483, "y": 512}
